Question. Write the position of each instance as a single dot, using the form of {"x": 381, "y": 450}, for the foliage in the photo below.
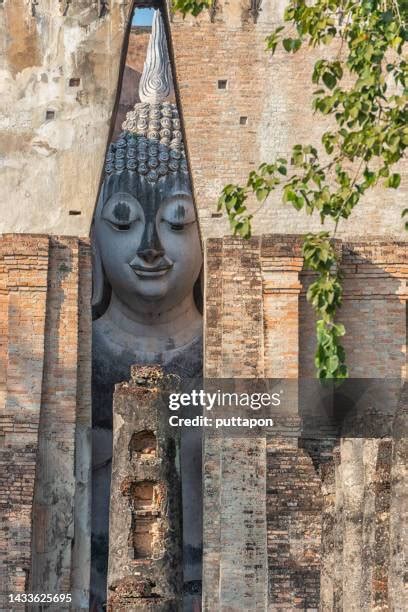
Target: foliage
{"x": 364, "y": 88}
{"x": 325, "y": 295}
{"x": 190, "y": 6}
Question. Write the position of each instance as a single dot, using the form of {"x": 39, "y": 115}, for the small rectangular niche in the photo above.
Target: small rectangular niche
{"x": 222, "y": 84}
{"x": 143, "y": 443}
{"x": 74, "y": 82}
{"x": 142, "y": 537}
{"x": 74, "y": 213}
{"x": 143, "y": 495}
{"x": 243, "y": 120}
{"x": 49, "y": 115}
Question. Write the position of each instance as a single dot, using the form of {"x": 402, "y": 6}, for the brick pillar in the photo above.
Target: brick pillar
{"x": 365, "y": 492}
{"x": 235, "y": 561}
{"x": 293, "y": 488}
{"x": 282, "y": 263}
{"x": 25, "y": 271}
{"x": 60, "y": 509}
{"x": 81, "y": 551}
{"x": 145, "y": 509}
{"x": 55, "y": 480}
{"x": 234, "y": 340}
{"x": 398, "y": 548}
{"x": 45, "y": 337}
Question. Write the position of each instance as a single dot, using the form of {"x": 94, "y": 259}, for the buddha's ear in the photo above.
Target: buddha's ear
{"x": 97, "y": 272}
{"x": 198, "y": 291}
{"x": 100, "y": 288}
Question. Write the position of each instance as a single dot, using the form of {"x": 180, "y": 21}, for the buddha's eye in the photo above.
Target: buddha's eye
{"x": 121, "y": 227}
{"x": 177, "y": 227}
{"x": 178, "y": 213}
{"x": 122, "y": 212}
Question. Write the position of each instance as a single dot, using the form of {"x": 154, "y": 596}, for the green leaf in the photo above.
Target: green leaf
{"x": 262, "y": 194}
{"x": 333, "y": 364}
{"x": 394, "y": 180}
{"x": 329, "y": 80}
{"x": 287, "y": 44}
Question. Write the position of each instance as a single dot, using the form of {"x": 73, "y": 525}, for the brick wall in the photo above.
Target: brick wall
{"x": 25, "y": 264}
{"x": 328, "y": 509}
{"x": 274, "y": 94}
{"x": 39, "y": 347}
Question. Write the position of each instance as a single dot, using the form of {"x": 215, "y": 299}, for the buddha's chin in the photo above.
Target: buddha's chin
{"x": 152, "y": 289}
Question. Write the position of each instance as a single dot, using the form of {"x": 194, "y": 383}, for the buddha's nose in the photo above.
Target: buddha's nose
{"x": 150, "y": 255}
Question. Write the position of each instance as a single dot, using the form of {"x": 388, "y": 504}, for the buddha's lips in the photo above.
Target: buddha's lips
{"x": 151, "y": 272}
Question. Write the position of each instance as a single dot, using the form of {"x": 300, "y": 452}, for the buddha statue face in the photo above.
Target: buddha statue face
{"x": 147, "y": 238}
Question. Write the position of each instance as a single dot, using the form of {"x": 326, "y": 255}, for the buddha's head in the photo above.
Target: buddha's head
{"x": 145, "y": 236}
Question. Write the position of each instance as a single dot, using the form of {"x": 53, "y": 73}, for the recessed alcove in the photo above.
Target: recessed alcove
{"x": 142, "y": 536}
{"x": 143, "y": 444}
{"x": 142, "y": 495}
{"x": 145, "y": 517}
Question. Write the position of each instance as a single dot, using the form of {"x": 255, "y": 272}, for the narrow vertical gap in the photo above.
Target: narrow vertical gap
{"x": 128, "y": 178}
{"x": 167, "y": 20}
{"x": 122, "y": 65}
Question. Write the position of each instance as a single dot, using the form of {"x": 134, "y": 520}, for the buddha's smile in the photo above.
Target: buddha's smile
{"x": 151, "y": 271}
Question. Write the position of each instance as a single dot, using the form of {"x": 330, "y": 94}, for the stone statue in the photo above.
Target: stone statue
{"x": 147, "y": 263}
{"x": 147, "y": 258}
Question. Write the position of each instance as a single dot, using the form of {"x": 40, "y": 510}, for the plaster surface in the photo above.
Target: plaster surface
{"x": 58, "y": 77}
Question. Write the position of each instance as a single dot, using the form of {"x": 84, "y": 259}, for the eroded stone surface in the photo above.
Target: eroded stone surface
{"x": 145, "y": 518}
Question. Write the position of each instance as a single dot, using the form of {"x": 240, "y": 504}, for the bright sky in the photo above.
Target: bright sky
{"x": 143, "y": 17}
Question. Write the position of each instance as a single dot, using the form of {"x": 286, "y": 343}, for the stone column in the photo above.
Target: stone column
{"x": 145, "y": 512}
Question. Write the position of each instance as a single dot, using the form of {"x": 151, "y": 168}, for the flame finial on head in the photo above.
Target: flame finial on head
{"x": 151, "y": 143}
{"x": 156, "y": 83}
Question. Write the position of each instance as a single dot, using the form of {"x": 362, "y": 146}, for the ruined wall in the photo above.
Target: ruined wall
{"x": 241, "y": 106}
{"x": 333, "y": 513}
{"x": 59, "y": 77}
{"x": 145, "y": 510}
{"x": 45, "y": 416}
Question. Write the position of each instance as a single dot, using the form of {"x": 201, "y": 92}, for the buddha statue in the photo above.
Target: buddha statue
{"x": 147, "y": 263}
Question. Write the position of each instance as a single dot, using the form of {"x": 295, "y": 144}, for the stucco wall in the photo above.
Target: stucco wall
{"x": 61, "y": 58}
{"x": 64, "y": 58}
